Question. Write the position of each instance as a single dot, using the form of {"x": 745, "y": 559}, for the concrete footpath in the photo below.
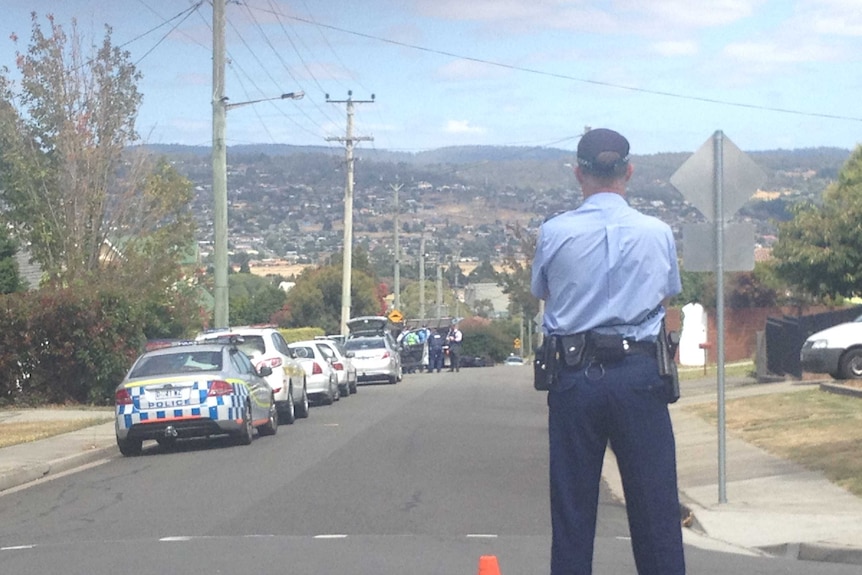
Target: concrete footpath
{"x": 774, "y": 507}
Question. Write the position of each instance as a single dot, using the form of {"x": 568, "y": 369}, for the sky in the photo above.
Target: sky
{"x": 666, "y": 73}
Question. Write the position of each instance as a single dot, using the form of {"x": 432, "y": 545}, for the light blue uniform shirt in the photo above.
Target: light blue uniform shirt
{"x": 607, "y": 266}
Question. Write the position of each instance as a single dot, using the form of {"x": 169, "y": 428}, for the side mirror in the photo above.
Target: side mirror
{"x": 264, "y": 371}
{"x": 349, "y": 354}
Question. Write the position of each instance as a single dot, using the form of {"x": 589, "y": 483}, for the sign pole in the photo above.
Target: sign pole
{"x": 718, "y": 180}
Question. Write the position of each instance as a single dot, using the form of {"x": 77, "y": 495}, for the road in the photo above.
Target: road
{"x": 422, "y": 477}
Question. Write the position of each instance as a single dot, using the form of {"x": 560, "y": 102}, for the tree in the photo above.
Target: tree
{"x": 63, "y": 129}
{"x": 253, "y": 299}
{"x": 10, "y": 281}
{"x": 819, "y": 251}
{"x": 484, "y": 272}
{"x": 315, "y": 301}
{"x": 518, "y": 277}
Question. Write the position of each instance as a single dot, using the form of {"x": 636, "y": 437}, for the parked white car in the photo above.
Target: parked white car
{"x": 342, "y": 361}
{"x": 836, "y": 350}
{"x": 267, "y": 347}
{"x": 321, "y": 380}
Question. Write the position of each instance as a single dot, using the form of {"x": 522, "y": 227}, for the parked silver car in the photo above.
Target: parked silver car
{"x": 341, "y": 361}
{"x": 320, "y": 377}
{"x": 375, "y": 358}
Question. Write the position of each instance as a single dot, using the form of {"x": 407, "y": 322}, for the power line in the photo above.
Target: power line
{"x": 574, "y": 78}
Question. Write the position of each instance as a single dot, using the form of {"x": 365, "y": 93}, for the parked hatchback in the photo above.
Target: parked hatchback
{"x": 320, "y": 377}
{"x": 375, "y": 358}
{"x": 267, "y": 347}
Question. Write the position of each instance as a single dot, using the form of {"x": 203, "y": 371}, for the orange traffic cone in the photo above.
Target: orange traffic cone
{"x": 488, "y": 565}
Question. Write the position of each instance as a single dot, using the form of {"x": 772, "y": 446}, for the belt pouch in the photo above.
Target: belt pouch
{"x": 606, "y": 348}
{"x": 544, "y": 365}
{"x": 573, "y": 348}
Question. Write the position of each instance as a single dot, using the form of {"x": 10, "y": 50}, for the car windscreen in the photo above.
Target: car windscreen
{"x": 179, "y": 362}
{"x": 364, "y": 343}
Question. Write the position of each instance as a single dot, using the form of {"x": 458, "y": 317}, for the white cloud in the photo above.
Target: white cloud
{"x": 462, "y": 127}
{"x": 773, "y": 53}
{"x": 610, "y": 16}
{"x": 675, "y": 48}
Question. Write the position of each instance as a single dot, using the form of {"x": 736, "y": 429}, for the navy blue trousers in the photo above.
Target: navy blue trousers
{"x": 622, "y": 404}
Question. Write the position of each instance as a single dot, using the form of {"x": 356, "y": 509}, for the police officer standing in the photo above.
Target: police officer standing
{"x": 455, "y": 337}
{"x": 435, "y": 351}
{"x": 605, "y": 272}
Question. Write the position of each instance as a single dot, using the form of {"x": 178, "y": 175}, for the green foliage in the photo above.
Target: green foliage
{"x": 488, "y": 338}
{"x": 516, "y": 280}
{"x": 484, "y": 272}
{"x": 301, "y": 333}
{"x": 316, "y": 298}
{"x": 253, "y": 299}
{"x": 67, "y": 345}
{"x": 62, "y": 147}
{"x": 819, "y": 251}
{"x": 10, "y": 281}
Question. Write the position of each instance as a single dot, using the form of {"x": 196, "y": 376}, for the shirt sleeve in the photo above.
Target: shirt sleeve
{"x": 539, "y": 280}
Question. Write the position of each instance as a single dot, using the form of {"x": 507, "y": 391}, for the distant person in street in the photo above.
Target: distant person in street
{"x": 606, "y": 271}
{"x": 455, "y": 337}
{"x": 435, "y": 351}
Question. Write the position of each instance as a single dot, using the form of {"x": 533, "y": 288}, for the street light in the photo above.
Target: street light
{"x": 289, "y": 96}
{"x": 219, "y": 162}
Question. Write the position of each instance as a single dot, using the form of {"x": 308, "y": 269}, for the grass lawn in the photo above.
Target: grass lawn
{"x": 819, "y": 430}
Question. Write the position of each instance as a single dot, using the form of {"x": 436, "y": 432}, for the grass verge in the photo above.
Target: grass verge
{"x": 819, "y": 430}
{"x": 24, "y": 432}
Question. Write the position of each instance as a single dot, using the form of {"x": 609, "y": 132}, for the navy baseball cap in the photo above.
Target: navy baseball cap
{"x": 603, "y": 152}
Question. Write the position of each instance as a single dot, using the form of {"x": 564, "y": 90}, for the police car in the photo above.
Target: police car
{"x": 192, "y": 389}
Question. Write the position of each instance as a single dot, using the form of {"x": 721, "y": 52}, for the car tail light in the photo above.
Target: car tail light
{"x": 338, "y": 365}
{"x": 273, "y": 363}
{"x": 219, "y": 387}
{"x": 123, "y": 397}
{"x": 316, "y": 369}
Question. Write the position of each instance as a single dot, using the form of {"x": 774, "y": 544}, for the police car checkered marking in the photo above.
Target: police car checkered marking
{"x": 220, "y": 408}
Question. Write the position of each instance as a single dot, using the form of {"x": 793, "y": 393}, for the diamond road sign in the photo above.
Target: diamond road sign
{"x": 699, "y": 250}
{"x": 696, "y": 178}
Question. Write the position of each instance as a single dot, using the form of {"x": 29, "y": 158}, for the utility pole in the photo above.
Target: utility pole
{"x": 397, "y": 286}
{"x": 348, "y": 140}
{"x": 219, "y": 162}
{"x": 422, "y": 275}
{"x": 439, "y": 289}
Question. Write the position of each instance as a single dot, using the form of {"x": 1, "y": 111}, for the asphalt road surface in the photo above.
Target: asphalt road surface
{"x": 421, "y": 477}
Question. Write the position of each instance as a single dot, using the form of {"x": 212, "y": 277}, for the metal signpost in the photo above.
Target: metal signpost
{"x": 718, "y": 179}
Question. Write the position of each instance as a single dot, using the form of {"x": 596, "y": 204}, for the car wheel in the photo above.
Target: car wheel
{"x": 246, "y": 433}
{"x": 329, "y": 396}
{"x": 336, "y": 392}
{"x": 130, "y": 447}
{"x": 301, "y": 409}
{"x": 287, "y": 414}
{"x": 851, "y": 364}
{"x": 271, "y": 425}
{"x": 344, "y": 390}
{"x": 352, "y": 385}
{"x": 400, "y": 375}
{"x": 393, "y": 379}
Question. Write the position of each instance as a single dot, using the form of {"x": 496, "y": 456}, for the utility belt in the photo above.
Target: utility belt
{"x": 590, "y": 347}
